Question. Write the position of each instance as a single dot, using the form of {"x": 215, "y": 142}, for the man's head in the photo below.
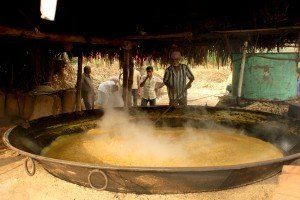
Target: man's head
{"x": 149, "y": 70}
{"x": 114, "y": 79}
{"x": 175, "y": 58}
{"x": 114, "y": 88}
{"x": 87, "y": 70}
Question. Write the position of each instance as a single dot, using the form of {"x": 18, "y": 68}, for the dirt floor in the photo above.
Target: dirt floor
{"x": 209, "y": 89}
{"x": 16, "y": 184}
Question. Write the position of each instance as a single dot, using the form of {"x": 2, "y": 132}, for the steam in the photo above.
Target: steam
{"x": 138, "y": 138}
{"x": 129, "y": 140}
{"x": 125, "y": 140}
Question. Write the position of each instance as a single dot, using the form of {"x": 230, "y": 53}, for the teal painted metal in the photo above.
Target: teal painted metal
{"x": 267, "y": 76}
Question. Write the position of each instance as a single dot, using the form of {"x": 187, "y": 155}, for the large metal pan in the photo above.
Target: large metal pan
{"x": 278, "y": 130}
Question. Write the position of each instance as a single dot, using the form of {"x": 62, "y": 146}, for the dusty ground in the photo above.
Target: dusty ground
{"x": 16, "y": 184}
{"x": 208, "y": 89}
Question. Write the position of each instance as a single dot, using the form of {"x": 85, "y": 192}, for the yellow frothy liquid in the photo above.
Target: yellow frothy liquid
{"x": 162, "y": 147}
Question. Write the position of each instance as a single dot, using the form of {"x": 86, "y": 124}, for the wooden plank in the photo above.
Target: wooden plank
{"x": 162, "y": 36}
{"x": 262, "y": 31}
{"x": 31, "y": 34}
{"x": 288, "y": 187}
{"x": 295, "y": 178}
{"x": 289, "y": 190}
{"x": 290, "y": 169}
{"x": 283, "y": 197}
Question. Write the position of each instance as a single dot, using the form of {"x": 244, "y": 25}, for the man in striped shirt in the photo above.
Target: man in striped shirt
{"x": 175, "y": 80}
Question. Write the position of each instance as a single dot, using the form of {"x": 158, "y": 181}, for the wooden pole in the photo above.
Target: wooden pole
{"x": 125, "y": 77}
{"x": 78, "y": 83}
{"x": 262, "y": 30}
{"x": 242, "y": 70}
{"x": 162, "y": 36}
{"x": 130, "y": 79}
{"x": 36, "y": 61}
{"x": 126, "y": 72}
{"x": 298, "y": 64}
{"x": 29, "y": 34}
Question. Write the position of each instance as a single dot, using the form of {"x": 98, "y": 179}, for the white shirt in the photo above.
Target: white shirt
{"x": 115, "y": 100}
{"x": 136, "y": 76}
{"x": 149, "y": 87}
{"x": 106, "y": 86}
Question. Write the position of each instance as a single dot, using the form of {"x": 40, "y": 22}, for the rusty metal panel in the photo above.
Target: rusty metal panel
{"x": 267, "y": 76}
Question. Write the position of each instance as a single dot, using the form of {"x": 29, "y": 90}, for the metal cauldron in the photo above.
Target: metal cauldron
{"x": 282, "y": 132}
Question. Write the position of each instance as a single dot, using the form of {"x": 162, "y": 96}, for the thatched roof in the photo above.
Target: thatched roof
{"x": 197, "y": 27}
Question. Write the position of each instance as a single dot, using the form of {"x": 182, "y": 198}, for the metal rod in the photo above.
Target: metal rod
{"x": 175, "y": 101}
{"x": 78, "y": 83}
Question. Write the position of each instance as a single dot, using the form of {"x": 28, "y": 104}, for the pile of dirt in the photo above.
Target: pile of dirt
{"x": 274, "y": 107}
{"x": 271, "y": 107}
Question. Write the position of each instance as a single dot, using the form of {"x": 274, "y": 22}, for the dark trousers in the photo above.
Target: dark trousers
{"x": 180, "y": 102}
{"x": 145, "y": 102}
{"x": 88, "y": 100}
{"x": 134, "y": 93}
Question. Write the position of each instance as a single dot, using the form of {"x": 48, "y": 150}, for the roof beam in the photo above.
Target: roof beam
{"x": 161, "y": 36}
{"x": 261, "y": 31}
{"x": 36, "y": 35}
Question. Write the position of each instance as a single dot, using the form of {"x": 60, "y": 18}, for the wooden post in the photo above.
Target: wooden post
{"x": 130, "y": 79}
{"x": 240, "y": 84}
{"x": 298, "y": 62}
{"x": 36, "y": 61}
{"x": 127, "y": 71}
{"x": 125, "y": 78}
{"x": 213, "y": 59}
{"x": 78, "y": 83}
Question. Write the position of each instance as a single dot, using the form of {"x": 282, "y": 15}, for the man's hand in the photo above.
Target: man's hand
{"x": 188, "y": 85}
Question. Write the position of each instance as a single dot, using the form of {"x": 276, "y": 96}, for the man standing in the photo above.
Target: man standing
{"x": 148, "y": 83}
{"x": 135, "y": 90}
{"x": 87, "y": 88}
{"x": 175, "y": 80}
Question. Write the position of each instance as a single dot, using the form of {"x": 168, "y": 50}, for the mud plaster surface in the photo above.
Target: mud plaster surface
{"x": 16, "y": 184}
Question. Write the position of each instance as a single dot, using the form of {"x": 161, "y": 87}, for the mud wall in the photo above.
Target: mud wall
{"x": 29, "y": 106}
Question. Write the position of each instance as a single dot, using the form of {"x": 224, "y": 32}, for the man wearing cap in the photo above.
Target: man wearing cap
{"x": 175, "y": 80}
{"x": 105, "y": 89}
